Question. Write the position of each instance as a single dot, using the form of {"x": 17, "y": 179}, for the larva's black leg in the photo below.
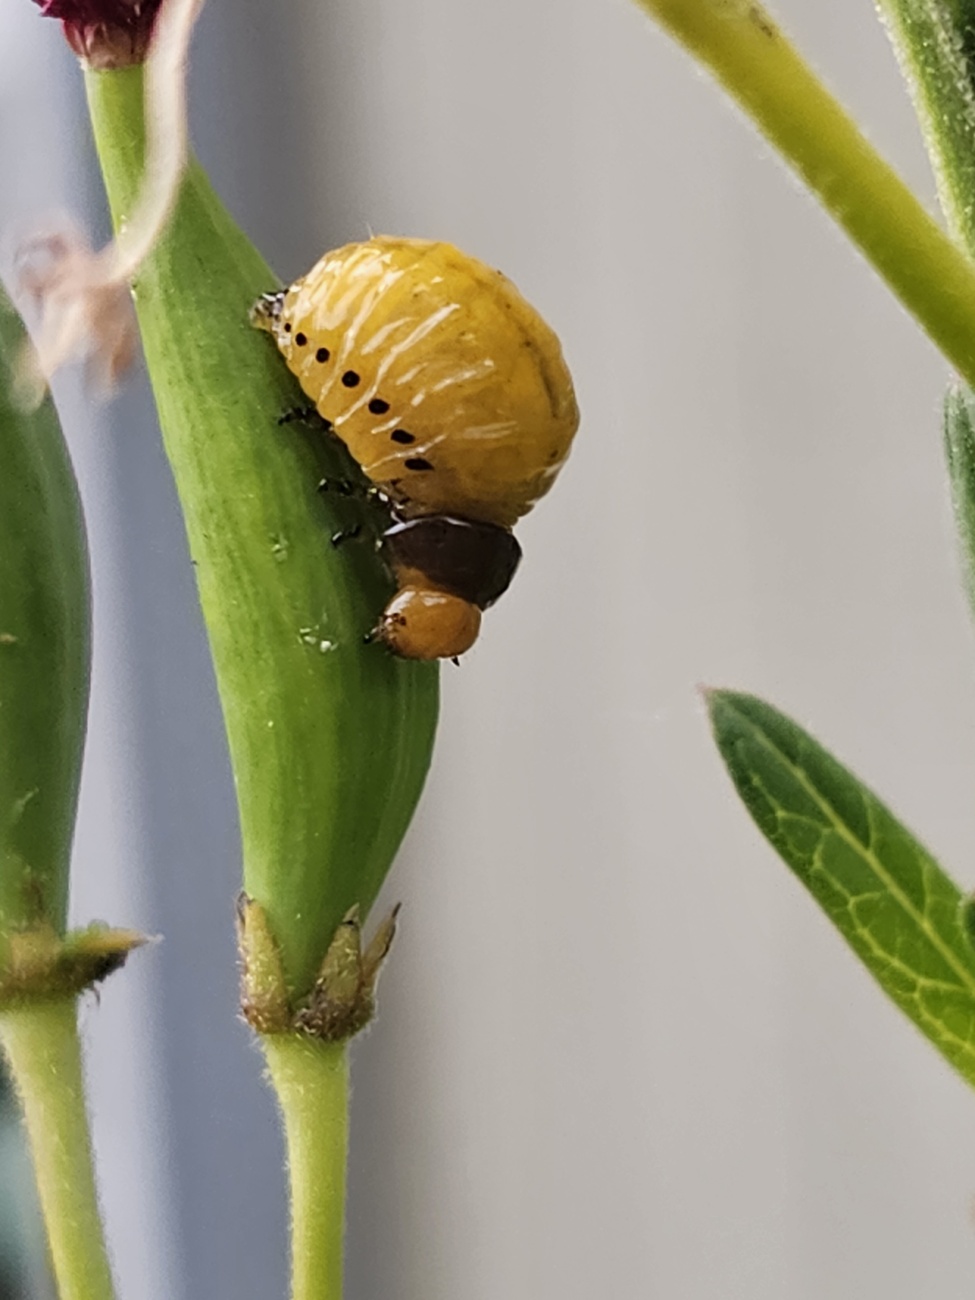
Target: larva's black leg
{"x": 346, "y": 534}
{"x": 343, "y": 487}
{"x": 307, "y": 415}
{"x": 346, "y": 487}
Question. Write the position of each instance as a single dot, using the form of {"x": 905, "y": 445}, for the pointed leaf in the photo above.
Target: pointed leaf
{"x": 882, "y": 889}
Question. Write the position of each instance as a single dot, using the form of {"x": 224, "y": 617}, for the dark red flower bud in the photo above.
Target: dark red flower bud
{"x": 105, "y": 33}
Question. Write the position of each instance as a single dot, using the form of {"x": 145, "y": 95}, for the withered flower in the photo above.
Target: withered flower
{"x": 105, "y": 33}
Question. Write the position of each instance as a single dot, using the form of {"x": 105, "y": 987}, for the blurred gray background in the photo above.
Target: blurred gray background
{"x": 620, "y": 1053}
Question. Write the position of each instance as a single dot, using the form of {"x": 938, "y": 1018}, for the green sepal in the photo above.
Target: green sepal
{"x": 883, "y": 891}
{"x": 264, "y": 1000}
{"x": 44, "y": 651}
{"x": 342, "y": 1000}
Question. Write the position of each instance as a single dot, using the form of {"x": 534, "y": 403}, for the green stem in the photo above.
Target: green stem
{"x": 311, "y": 1080}
{"x": 751, "y": 58}
{"x": 44, "y": 1054}
{"x": 330, "y": 737}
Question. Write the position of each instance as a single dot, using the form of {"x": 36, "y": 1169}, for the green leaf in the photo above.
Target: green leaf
{"x": 884, "y": 892}
{"x": 935, "y": 43}
{"x": 44, "y": 652}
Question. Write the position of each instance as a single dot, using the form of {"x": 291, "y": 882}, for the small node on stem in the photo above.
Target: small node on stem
{"x": 343, "y": 999}
{"x": 37, "y": 963}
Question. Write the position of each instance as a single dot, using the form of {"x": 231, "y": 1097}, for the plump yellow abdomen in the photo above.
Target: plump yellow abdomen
{"x": 446, "y": 386}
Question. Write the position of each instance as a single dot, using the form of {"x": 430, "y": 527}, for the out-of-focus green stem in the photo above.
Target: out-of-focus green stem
{"x": 44, "y": 652}
{"x": 40, "y": 1040}
{"x": 44, "y": 665}
{"x": 312, "y": 1085}
{"x": 760, "y": 68}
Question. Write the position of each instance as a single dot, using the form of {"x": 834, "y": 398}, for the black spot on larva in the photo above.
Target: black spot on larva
{"x": 287, "y": 327}
{"x": 350, "y": 379}
{"x": 378, "y": 406}
{"x": 400, "y": 435}
{"x": 301, "y": 340}
{"x": 322, "y": 354}
{"x": 417, "y": 462}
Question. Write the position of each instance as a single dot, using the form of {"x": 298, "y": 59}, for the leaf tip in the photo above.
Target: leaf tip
{"x": 715, "y": 698}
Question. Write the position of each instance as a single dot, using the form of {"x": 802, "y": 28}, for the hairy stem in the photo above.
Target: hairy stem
{"x": 311, "y": 1080}
{"x": 765, "y": 74}
{"x": 934, "y": 45}
{"x": 41, "y": 1043}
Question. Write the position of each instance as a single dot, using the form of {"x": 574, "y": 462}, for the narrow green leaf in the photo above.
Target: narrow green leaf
{"x": 44, "y": 652}
{"x": 935, "y": 43}
{"x": 883, "y": 891}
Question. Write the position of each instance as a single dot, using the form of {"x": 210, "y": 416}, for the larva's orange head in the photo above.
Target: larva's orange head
{"x": 425, "y": 624}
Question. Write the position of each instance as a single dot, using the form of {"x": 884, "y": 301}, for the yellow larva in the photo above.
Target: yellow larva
{"x": 451, "y": 393}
